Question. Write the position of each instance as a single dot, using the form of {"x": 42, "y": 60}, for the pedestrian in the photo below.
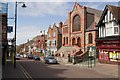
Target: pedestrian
{"x": 74, "y": 59}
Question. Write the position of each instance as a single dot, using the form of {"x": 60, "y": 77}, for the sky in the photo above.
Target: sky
{"x": 37, "y": 16}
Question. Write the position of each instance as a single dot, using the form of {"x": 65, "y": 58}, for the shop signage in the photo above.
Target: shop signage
{"x": 109, "y": 42}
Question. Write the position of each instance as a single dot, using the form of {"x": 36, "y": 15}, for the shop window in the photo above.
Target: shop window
{"x": 90, "y": 38}
{"x": 76, "y": 23}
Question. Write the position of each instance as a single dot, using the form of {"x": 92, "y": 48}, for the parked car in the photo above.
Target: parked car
{"x": 24, "y": 55}
{"x": 50, "y": 60}
{"x": 21, "y": 55}
{"x": 17, "y": 57}
{"x": 30, "y": 56}
{"x": 36, "y": 57}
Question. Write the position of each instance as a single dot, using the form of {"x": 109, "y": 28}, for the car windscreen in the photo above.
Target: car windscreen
{"x": 51, "y": 58}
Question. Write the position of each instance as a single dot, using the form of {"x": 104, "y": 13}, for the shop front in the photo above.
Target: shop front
{"x": 109, "y": 51}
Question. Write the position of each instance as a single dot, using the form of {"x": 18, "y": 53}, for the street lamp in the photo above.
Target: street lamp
{"x": 16, "y": 3}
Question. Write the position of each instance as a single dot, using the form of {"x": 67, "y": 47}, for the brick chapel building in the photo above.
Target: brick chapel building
{"x": 79, "y": 31}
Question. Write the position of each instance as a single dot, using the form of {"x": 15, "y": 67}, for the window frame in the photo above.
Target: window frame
{"x": 77, "y": 23}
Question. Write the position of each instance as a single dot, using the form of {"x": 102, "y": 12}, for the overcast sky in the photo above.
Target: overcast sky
{"x": 38, "y": 16}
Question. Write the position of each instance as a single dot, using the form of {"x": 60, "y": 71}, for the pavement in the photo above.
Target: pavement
{"x": 9, "y": 72}
{"x": 107, "y": 69}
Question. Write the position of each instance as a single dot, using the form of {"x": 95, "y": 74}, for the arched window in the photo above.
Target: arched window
{"x": 66, "y": 40}
{"x": 76, "y": 23}
{"x": 79, "y": 42}
{"x": 90, "y": 38}
{"x": 73, "y": 41}
{"x": 63, "y": 41}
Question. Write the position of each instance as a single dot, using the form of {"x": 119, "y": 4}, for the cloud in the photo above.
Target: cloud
{"x": 95, "y": 5}
{"x": 26, "y": 32}
{"x": 44, "y": 8}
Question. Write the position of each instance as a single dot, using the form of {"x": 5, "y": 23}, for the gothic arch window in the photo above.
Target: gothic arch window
{"x": 73, "y": 41}
{"x": 76, "y": 23}
{"x": 90, "y": 38}
{"x": 79, "y": 42}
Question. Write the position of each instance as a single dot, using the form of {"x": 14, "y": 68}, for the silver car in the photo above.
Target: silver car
{"x": 50, "y": 60}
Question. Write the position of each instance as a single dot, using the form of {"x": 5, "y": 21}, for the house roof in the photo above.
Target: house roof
{"x": 66, "y": 22}
{"x": 58, "y": 28}
{"x": 115, "y": 10}
{"x": 96, "y": 12}
{"x": 90, "y": 28}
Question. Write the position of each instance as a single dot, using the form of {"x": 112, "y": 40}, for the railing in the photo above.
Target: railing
{"x": 82, "y": 57}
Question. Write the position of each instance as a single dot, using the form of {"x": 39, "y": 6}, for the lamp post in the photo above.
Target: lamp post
{"x": 16, "y": 3}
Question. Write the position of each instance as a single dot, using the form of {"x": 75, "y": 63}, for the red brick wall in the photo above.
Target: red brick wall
{"x": 81, "y": 11}
{"x": 57, "y": 37}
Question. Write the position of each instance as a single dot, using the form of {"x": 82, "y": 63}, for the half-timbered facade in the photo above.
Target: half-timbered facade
{"x": 108, "y": 42}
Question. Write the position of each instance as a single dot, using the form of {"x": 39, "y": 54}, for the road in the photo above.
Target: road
{"x": 38, "y": 69}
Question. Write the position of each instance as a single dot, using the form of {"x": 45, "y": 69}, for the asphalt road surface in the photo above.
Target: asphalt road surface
{"x": 38, "y": 69}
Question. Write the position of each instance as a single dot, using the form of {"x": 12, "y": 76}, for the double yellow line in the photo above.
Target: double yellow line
{"x": 25, "y": 72}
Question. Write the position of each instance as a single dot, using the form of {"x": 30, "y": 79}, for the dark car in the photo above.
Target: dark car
{"x": 30, "y": 56}
{"x": 36, "y": 57}
{"x": 50, "y": 60}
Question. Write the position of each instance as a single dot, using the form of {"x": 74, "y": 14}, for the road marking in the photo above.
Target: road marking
{"x": 25, "y": 72}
